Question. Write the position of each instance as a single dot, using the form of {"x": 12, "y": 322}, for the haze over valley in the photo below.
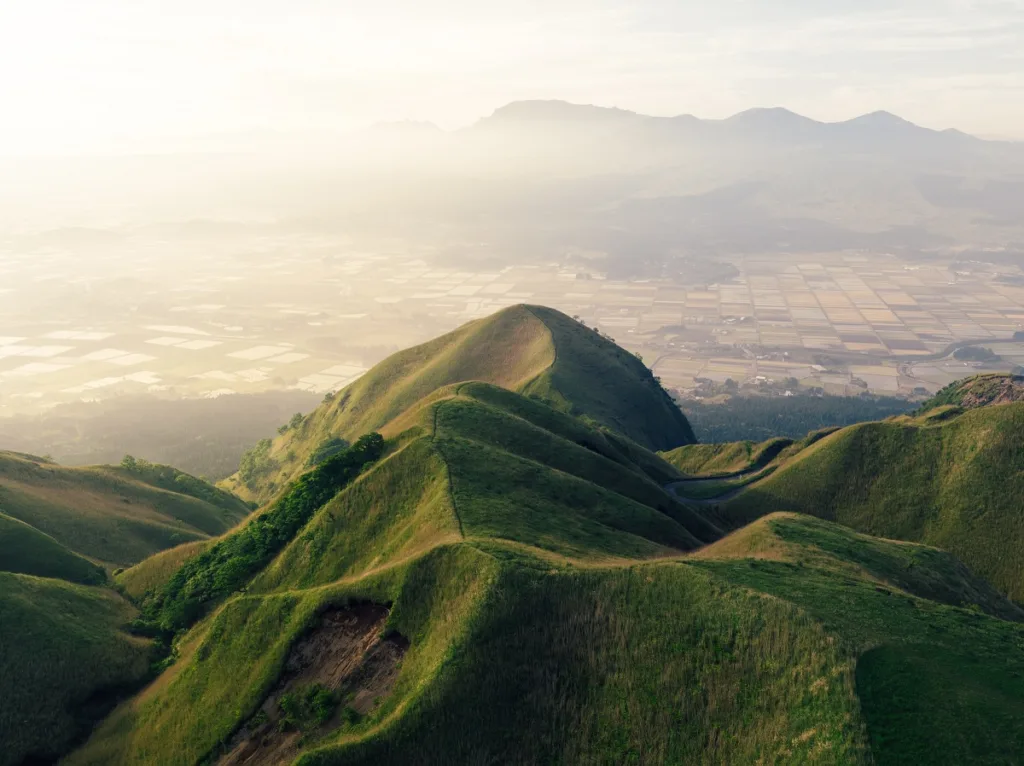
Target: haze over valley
{"x": 766, "y": 246}
{"x": 564, "y": 382}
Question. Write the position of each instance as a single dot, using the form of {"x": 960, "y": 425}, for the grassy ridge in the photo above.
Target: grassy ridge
{"x": 230, "y": 563}
{"x": 63, "y": 653}
{"x": 528, "y": 349}
{"x": 558, "y": 605}
{"x": 401, "y": 506}
{"x": 954, "y": 484}
{"x": 233, "y": 658}
{"x": 26, "y": 550}
{"x": 656, "y": 664}
{"x": 713, "y": 460}
{"x": 958, "y": 702}
{"x": 107, "y": 514}
{"x": 485, "y": 462}
{"x": 628, "y": 398}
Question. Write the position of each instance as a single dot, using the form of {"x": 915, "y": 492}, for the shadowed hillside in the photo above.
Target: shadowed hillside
{"x": 26, "y": 550}
{"x": 530, "y": 349}
{"x": 950, "y": 478}
{"x": 113, "y": 515}
{"x": 65, "y": 662}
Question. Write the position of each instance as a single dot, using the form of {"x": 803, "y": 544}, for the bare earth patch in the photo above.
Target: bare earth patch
{"x": 345, "y": 656}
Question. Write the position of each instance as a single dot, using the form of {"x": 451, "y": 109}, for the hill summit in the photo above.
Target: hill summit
{"x": 533, "y": 350}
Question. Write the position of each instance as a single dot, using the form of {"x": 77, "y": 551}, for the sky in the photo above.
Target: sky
{"x": 103, "y": 75}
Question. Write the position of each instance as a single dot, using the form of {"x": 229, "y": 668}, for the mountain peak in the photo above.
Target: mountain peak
{"x": 882, "y": 119}
{"x": 770, "y": 116}
{"x": 554, "y": 110}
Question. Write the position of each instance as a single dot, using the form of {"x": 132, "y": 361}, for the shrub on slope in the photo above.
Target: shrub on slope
{"x": 234, "y": 560}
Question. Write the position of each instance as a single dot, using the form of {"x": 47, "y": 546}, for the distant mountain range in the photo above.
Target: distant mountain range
{"x": 549, "y": 176}
{"x": 775, "y": 122}
{"x": 760, "y": 124}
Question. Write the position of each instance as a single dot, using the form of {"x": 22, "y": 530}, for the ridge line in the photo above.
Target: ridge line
{"x": 448, "y": 470}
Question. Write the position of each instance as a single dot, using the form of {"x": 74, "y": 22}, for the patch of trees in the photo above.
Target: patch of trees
{"x": 975, "y": 354}
{"x": 228, "y": 565}
{"x": 173, "y": 480}
{"x": 256, "y": 463}
{"x": 327, "y": 448}
{"x": 294, "y": 422}
{"x": 757, "y": 418}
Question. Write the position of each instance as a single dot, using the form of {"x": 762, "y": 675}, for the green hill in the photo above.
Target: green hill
{"x": 720, "y": 460}
{"x": 949, "y": 479}
{"x": 529, "y": 349}
{"x": 26, "y": 550}
{"x": 978, "y": 391}
{"x": 114, "y": 515}
{"x": 452, "y": 570}
{"x": 65, "y": 662}
{"x": 506, "y": 582}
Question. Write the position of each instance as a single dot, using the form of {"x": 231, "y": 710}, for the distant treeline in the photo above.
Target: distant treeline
{"x": 757, "y": 418}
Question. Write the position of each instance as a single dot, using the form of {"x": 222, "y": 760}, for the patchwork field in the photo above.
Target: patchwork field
{"x": 249, "y": 318}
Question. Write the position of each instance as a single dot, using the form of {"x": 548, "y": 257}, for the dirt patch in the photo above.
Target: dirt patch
{"x": 988, "y": 392}
{"x": 337, "y": 673}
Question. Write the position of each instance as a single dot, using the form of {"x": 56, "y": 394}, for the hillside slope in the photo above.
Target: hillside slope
{"x": 529, "y": 349}
{"x": 65, "y": 661}
{"x": 952, "y": 479}
{"x": 720, "y": 460}
{"x": 26, "y": 550}
{"x": 505, "y": 582}
{"x": 113, "y": 515}
{"x": 978, "y": 391}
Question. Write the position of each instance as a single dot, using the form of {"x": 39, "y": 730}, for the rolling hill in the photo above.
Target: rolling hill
{"x": 498, "y": 571}
{"x": 726, "y": 459}
{"x": 950, "y": 477}
{"x": 534, "y": 350}
{"x": 113, "y": 515}
{"x": 66, "y": 660}
{"x": 26, "y": 550}
{"x": 505, "y": 581}
{"x": 68, "y": 653}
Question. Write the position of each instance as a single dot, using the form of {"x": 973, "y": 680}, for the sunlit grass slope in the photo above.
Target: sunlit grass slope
{"x": 713, "y": 460}
{"x": 62, "y": 656}
{"x": 937, "y": 684}
{"x": 484, "y": 463}
{"x": 528, "y": 349}
{"x": 26, "y": 550}
{"x": 154, "y": 572}
{"x": 955, "y": 483}
{"x": 520, "y": 657}
{"x": 109, "y": 514}
{"x": 559, "y": 608}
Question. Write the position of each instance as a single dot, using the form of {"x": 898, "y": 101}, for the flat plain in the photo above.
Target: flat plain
{"x": 246, "y": 317}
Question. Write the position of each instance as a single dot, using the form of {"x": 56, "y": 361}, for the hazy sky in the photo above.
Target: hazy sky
{"x": 92, "y": 74}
